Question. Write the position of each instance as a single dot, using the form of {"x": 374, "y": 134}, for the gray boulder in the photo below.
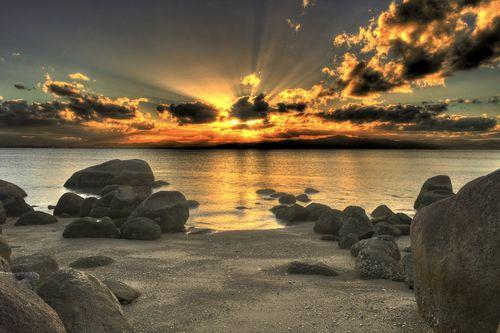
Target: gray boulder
{"x": 348, "y": 241}
{"x": 120, "y": 201}
{"x": 434, "y": 189}
{"x": 87, "y": 206}
{"x": 12, "y": 199}
{"x": 383, "y": 243}
{"x": 114, "y": 172}
{"x": 292, "y": 214}
{"x": 5, "y": 250}
{"x": 303, "y": 268}
{"x": 92, "y": 262}
{"x": 3, "y": 214}
{"x": 69, "y": 205}
{"x": 22, "y": 311}
{"x": 83, "y": 303}
{"x": 362, "y": 229}
{"x": 141, "y": 228}
{"x": 372, "y": 263}
{"x": 357, "y": 212}
{"x": 315, "y": 210}
{"x": 287, "y": 199}
{"x": 384, "y": 228}
{"x": 39, "y": 263}
{"x": 35, "y": 218}
{"x": 123, "y": 293}
{"x": 455, "y": 244}
{"x": 329, "y": 222}
{"x": 168, "y": 208}
{"x": 88, "y": 227}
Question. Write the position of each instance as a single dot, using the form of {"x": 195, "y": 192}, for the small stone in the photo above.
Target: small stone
{"x": 92, "y": 262}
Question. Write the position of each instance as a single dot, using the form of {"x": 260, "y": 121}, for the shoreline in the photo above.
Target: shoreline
{"x": 235, "y": 281}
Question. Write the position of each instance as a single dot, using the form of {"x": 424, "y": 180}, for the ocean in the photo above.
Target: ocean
{"x": 222, "y": 180}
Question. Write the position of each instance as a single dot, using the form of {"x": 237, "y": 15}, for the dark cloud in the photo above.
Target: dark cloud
{"x": 19, "y": 113}
{"x": 21, "y": 86}
{"x": 287, "y": 107}
{"x": 191, "y": 113}
{"x": 247, "y": 108}
{"x": 426, "y": 117}
{"x": 362, "y": 80}
{"x": 63, "y": 89}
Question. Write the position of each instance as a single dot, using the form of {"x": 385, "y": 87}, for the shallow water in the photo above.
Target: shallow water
{"x": 224, "y": 179}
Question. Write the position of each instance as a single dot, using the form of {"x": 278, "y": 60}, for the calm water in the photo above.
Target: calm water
{"x": 223, "y": 180}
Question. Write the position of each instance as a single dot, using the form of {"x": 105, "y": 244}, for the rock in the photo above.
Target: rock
{"x": 329, "y": 222}
{"x": 329, "y": 238}
{"x": 315, "y": 210}
{"x": 434, "y": 189}
{"x": 123, "y": 293}
{"x": 241, "y": 208}
{"x": 404, "y": 219}
{"x": 407, "y": 264}
{"x": 5, "y": 250}
{"x": 384, "y": 214}
{"x": 298, "y": 267}
{"x": 22, "y": 311}
{"x": 92, "y": 262}
{"x": 384, "y": 228}
{"x": 119, "y": 201}
{"x": 310, "y": 190}
{"x": 287, "y": 199}
{"x": 266, "y": 191}
{"x": 362, "y": 229}
{"x": 69, "y": 204}
{"x": 357, "y": 212}
{"x": 36, "y": 218}
{"x": 39, "y": 263}
{"x": 303, "y": 198}
{"x": 83, "y": 303}
{"x": 88, "y": 227}
{"x": 51, "y": 207}
{"x": 278, "y": 195}
{"x": 30, "y": 280}
{"x": 87, "y": 206}
{"x": 165, "y": 207}
{"x": 294, "y": 213}
{"x": 455, "y": 244}
{"x": 275, "y": 209}
{"x": 348, "y": 241}
{"x": 159, "y": 183}
{"x": 141, "y": 228}
{"x": 3, "y": 214}
{"x": 192, "y": 204}
{"x": 384, "y": 243}
{"x": 12, "y": 199}
{"x": 119, "y": 222}
{"x": 404, "y": 229}
{"x": 114, "y": 172}
{"x": 372, "y": 263}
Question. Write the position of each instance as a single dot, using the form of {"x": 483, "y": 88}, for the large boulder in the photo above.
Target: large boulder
{"x": 315, "y": 210}
{"x": 22, "y": 311}
{"x": 39, "y": 263}
{"x": 383, "y": 243}
{"x": 119, "y": 201}
{"x": 329, "y": 222}
{"x": 88, "y": 227}
{"x": 35, "y": 218}
{"x": 455, "y": 244}
{"x": 69, "y": 204}
{"x": 168, "y": 208}
{"x": 384, "y": 214}
{"x": 12, "y": 199}
{"x": 83, "y": 303}
{"x": 114, "y": 172}
{"x": 141, "y": 228}
{"x": 292, "y": 214}
{"x": 372, "y": 263}
{"x": 434, "y": 189}
{"x": 3, "y": 214}
{"x": 5, "y": 249}
{"x": 361, "y": 228}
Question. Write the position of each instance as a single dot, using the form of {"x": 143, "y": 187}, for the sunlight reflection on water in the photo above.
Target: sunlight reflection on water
{"x": 224, "y": 179}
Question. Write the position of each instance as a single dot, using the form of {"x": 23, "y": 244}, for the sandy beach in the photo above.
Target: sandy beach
{"x": 235, "y": 281}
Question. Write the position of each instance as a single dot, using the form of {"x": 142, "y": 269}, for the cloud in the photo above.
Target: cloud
{"x": 252, "y": 80}
{"x": 18, "y": 113}
{"x": 62, "y": 89}
{"x": 248, "y": 108}
{"x": 287, "y": 107}
{"x": 418, "y": 42}
{"x": 78, "y": 77}
{"x": 21, "y": 87}
{"x": 190, "y": 113}
{"x": 399, "y": 117}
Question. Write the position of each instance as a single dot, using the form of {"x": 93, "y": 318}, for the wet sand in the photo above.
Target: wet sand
{"x": 235, "y": 281}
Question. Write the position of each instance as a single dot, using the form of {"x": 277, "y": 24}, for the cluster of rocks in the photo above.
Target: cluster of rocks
{"x": 285, "y": 198}
{"x": 126, "y": 206}
{"x": 37, "y": 296}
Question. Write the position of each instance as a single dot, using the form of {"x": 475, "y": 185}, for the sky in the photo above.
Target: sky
{"x": 185, "y": 72}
